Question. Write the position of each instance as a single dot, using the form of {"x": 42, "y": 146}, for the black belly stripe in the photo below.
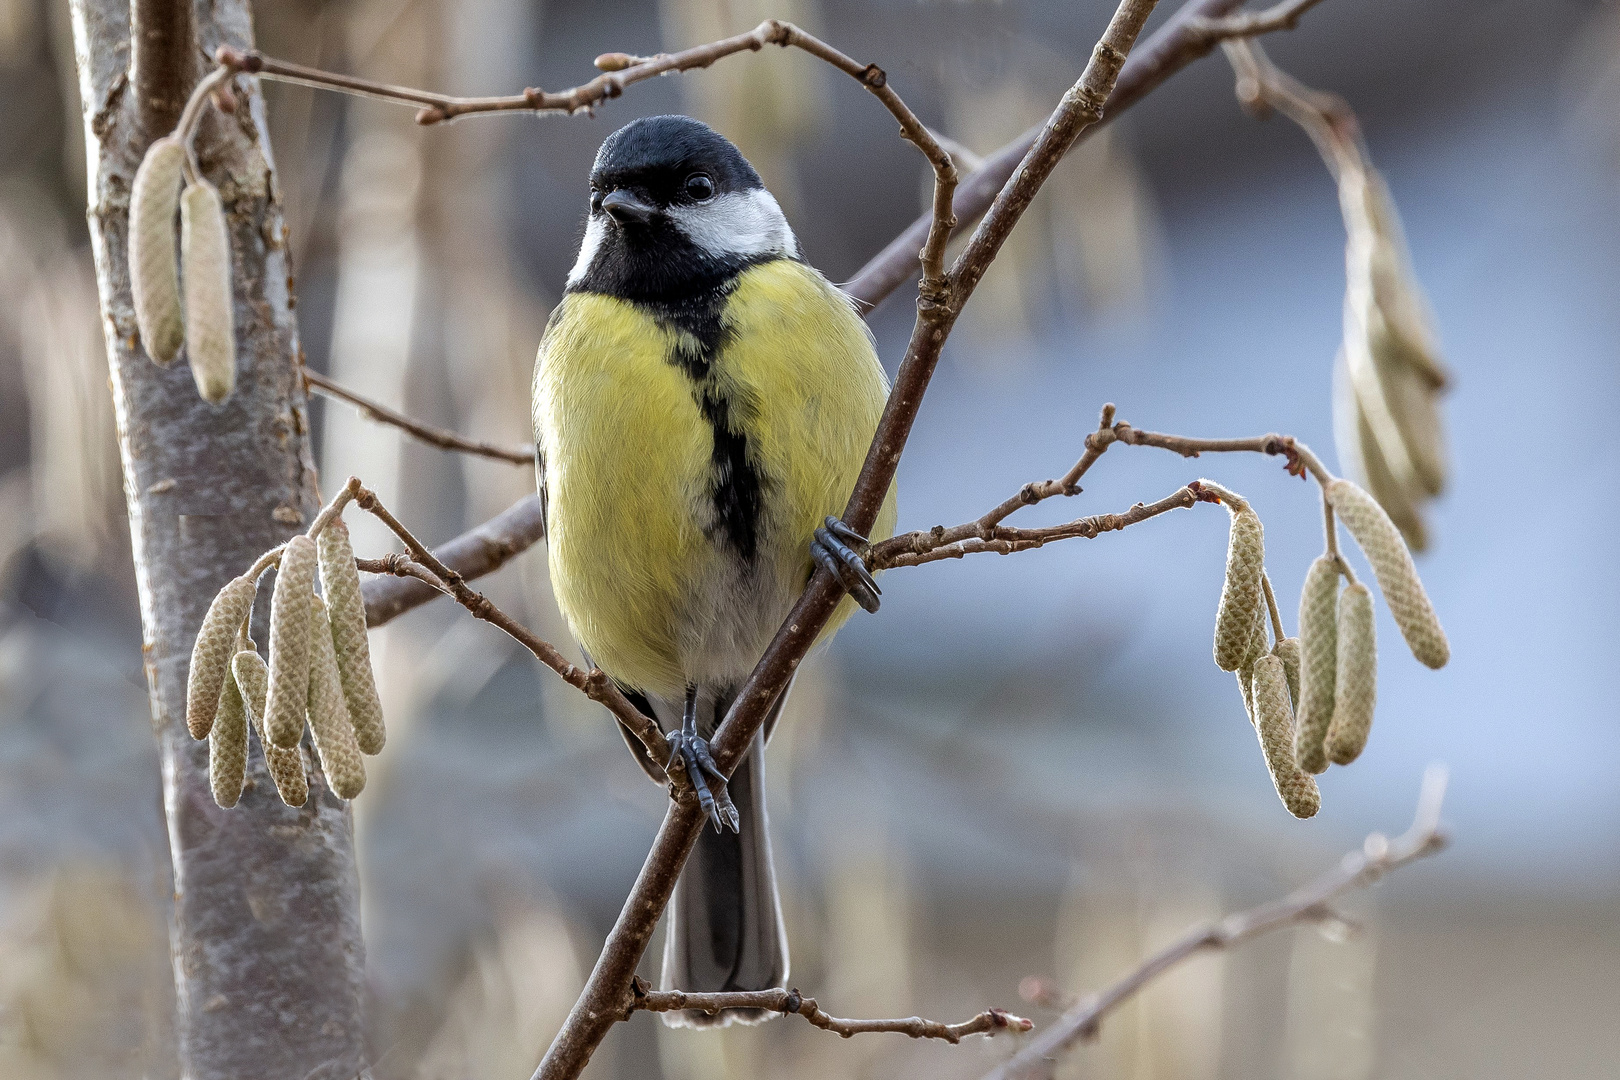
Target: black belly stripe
{"x": 737, "y": 488}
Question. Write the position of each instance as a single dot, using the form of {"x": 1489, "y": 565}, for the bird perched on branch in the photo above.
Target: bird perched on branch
{"x": 703, "y": 401}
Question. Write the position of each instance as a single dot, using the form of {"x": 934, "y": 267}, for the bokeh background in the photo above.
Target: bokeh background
{"x": 1021, "y": 766}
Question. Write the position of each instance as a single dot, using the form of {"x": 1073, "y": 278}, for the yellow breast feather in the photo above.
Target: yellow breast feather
{"x": 629, "y": 470}
{"x": 625, "y": 455}
{"x": 804, "y": 360}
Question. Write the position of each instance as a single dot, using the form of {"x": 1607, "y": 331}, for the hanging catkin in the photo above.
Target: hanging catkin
{"x": 1397, "y": 577}
{"x": 328, "y": 715}
{"x": 1274, "y": 722}
{"x": 1287, "y": 650}
{"x": 227, "y": 746}
{"x": 205, "y": 263}
{"x": 340, "y": 582}
{"x": 1319, "y": 656}
{"x": 289, "y": 643}
{"x": 211, "y": 654}
{"x": 1356, "y": 680}
{"x": 154, "y": 278}
{"x": 286, "y": 767}
{"x": 1241, "y": 594}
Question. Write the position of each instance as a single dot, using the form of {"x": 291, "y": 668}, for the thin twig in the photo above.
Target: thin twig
{"x": 1277, "y": 633}
{"x": 334, "y": 508}
{"x": 789, "y": 1002}
{"x": 593, "y": 682}
{"x": 1247, "y": 24}
{"x": 471, "y": 555}
{"x": 438, "y": 108}
{"x": 1377, "y": 857}
{"x": 444, "y": 440}
{"x": 938, "y": 543}
{"x": 1326, "y": 118}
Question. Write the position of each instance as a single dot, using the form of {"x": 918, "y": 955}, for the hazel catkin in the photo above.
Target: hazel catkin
{"x": 1356, "y": 678}
{"x": 286, "y": 767}
{"x": 1287, "y": 650}
{"x": 205, "y": 263}
{"x": 211, "y": 653}
{"x": 227, "y": 746}
{"x": 1397, "y": 576}
{"x": 1241, "y": 594}
{"x": 346, "y": 608}
{"x": 1319, "y": 656}
{"x": 289, "y": 643}
{"x": 328, "y": 715}
{"x": 1274, "y": 722}
{"x": 154, "y": 277}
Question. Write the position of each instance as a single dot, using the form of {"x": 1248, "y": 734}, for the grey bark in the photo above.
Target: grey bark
{"x": 268, "y": 957}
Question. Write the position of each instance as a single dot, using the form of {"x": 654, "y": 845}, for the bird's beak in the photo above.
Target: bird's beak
{"x": 625, "y": 207}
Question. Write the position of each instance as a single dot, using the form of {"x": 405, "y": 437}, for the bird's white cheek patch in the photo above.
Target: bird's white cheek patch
{"x": 745, "y": 223}
{"x": 595, "y": 230}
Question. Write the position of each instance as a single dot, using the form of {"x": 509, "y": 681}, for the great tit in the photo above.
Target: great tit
{"x": 703, "y": 401}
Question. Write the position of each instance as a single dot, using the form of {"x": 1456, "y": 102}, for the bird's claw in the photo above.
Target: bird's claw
{"x": 693, "y": 752}
{"x": 831, "y": 548}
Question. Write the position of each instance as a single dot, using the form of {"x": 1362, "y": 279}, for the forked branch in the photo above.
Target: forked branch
{"x": 444, "y": 440}
{"x": 423, "y": 566}
{"x": 643, "y": 998}
{"x": 1377, "y": 857}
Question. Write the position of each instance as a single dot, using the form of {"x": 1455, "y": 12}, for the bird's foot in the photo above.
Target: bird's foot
{"x": 831, "y": 548}
{"x": 693, "y": 751}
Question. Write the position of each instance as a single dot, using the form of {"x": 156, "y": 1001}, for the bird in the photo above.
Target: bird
{"x": 704, "y": 400}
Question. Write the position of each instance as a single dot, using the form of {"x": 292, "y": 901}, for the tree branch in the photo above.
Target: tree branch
{"x": 425, "y": 568}
{"x": 643, "y": 998}
{"x": 1170, "y": 49}
{"x": 939, "y": 543}
{"x": 1377, "y": 857}
{"x": 938, "y": 304}
{"x": 444, "y": 440}
{"x": 162, "y": 62}
{"x": 470, "y": 555}
{"x": 1282, "y": 16}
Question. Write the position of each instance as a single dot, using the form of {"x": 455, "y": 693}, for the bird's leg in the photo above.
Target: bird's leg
{"x": 693, "y": 750}
{"x": 830, "y": 547}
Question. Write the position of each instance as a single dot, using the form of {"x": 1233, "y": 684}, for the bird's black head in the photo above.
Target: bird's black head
{"x": 676, "y": 211}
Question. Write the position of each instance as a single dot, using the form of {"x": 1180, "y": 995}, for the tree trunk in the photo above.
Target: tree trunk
{"x": 267, "y": 951}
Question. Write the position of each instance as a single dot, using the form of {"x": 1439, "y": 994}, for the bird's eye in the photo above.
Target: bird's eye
{"x": 596, "y": 199}
{"x": 699, "y": 187}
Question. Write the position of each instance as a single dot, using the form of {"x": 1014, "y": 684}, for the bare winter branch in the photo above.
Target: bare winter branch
{"x": 444, "y": 440}
{"x": 1377, "y": 857}
{"x": 1283, "y": 16}
{"x": 642, "y": 998}
{"x": 471, "y": 555}
{"x": 424, "y": 567}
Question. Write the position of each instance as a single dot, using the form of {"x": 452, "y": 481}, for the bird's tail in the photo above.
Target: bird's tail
{"x": 725, "y": 930}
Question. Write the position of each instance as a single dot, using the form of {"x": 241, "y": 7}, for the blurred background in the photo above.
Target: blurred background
{"x": 1023, "y": 766}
